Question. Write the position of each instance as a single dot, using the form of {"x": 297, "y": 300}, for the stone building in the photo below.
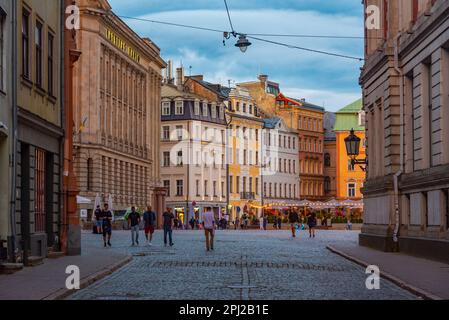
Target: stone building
{"x": 405, "y": 93}
{"x": 308, "y": 120}
{"x": 6, "y": 133}
{"x": 330, "y": 156}
{"x": 280, "y": 171}
{"x": 193, "y": 148}
{"x": 36, "y": 151}
{"x": 117, "y": 89}
{"x": 245, "y": 154}
{"x": 350, "y": 177}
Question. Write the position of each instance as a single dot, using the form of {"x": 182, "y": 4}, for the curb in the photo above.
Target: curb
{"x": 64, "y": 293}
{"x": 400, "y": 283}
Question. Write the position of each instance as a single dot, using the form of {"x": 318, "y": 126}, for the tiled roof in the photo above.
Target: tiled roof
{"x": 270, "y": 123}
{"x": 329, "y": 122}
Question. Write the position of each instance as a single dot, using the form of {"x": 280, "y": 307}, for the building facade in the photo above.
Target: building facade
{"x": 6, "y": 137}
{"x": 350, "y": 178}
{"x": 330, "y": 156}
{"x": 36, "y": 227}
{"x": 308, "y": 120}
{"x": 117, "y": 90}
{"x": 245, "y": 144}
{"x": 264, "y": 93}
{"x": 405, "y": 93}
{"x": 193, "y": 149}
{"x": 280, "y": 170}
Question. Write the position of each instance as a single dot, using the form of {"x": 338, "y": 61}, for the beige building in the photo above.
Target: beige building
{"x": 117, "y": 118}
{"x": 405, "y": 88}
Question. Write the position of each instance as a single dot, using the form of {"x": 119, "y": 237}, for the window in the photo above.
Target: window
{"x": 245, "y": 157}
{"x": 167, "y": 187}
{"x": 214, "y": 111}
{"x": 2, "y": 31}
{"x": 50, "y": 64}
{"x": 351, "y": 190}
{"x": 289, "y": 143}
{"x": 166, "y": 159}
{"x": 205, "y": 110}
{"x": 39, "y": 191}
{"x": 327, "y": 184}
{"x": 179, "y": 160}
{"x": 244, "y": 107}
{"x": 327, "y": 160}
{"x": 26, "y": 44}
{"x": 165, "y": 108}
{"x": 197, "y": 108}
{"x": 223, "y": 189}
{"x": 214, "y": 186}
{"x": 257, "y": 186}
{"x": 351, "y": 166}
{"x": 231, "y": 184}
{"x": 206, "y": 191}
{"x": 251, "y": 189}
{"x": 244, "y": 185}
{"x": 179, "y": 188}
{"x": 179, "y": 108}
{"x": 237, "y": 106}
{"x": 197, "y": 188}
{"x": 250, "y": 109}
{"x": 275, "y": 190}
{"x": 90, "y": 174}
{"x": 289, "y": 166}
{"x": 166, "y": 133}
{"x": 257, "y": 134}
{"x": 38, "y": 56}
{"x": 257, "y": 158}
{"x": 179, "y": 132}
{"x": 237, "y": 184}
{"x": 270, "y": 190}
{"x": 264, "y": 189}
{"x": 299, "y": 123}
{"x": 362, "y": 118}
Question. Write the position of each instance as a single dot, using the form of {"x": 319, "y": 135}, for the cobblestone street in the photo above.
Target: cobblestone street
{"x": 246, "y": 265}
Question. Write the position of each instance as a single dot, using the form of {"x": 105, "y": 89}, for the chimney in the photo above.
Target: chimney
{"x": 180, "y": 78}
{"x": 263, "y": 78}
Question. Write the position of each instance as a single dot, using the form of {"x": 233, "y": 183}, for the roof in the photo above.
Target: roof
{"x": 271, "y": 123}
{"x": 329, "y": 123}
{"x": 307, "y": 105}
{"x": 347, "y": 118}
{"x": 354, "y": 107}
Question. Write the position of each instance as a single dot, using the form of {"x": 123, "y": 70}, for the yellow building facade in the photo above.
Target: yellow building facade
{"x": 244, "y": 155}
{"x": 350, "y": 178}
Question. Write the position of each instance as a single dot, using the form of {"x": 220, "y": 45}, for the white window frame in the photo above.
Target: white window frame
{"x": 205, "y": 109}
{"x": 348, "y": 189}
{"x": 197, "y": 108}
{"x": 214, "y": 111}
{"x": 166, "y": 108}
{"x": 179, "y": 108}
{"x": 165, "y": 137}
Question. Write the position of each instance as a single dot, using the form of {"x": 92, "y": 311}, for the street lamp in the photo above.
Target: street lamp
{"x": 243, "y": 43}
{"x": 352, "y": 143}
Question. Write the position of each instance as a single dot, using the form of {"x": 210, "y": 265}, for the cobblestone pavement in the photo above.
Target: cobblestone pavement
{"x": 246, "y": 265}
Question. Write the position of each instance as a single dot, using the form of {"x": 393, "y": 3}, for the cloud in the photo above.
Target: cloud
{"x": 318, "y": 78}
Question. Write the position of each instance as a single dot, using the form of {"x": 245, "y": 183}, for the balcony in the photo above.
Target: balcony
{"x": 247, "y": 195}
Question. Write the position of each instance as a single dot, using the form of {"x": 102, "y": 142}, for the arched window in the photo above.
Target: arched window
{"x": 327, "y": 160}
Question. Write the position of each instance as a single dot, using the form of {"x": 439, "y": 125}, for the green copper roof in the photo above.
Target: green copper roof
{"x": 347, "y": 118}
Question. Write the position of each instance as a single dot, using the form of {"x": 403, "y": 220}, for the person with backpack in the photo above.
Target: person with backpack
{"x": 150, "y": 221}
{"x": 134, "y": 222}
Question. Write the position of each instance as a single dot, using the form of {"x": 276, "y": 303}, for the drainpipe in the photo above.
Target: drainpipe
{"x": 401, "y": 168}
{"x": 14, "y": 131}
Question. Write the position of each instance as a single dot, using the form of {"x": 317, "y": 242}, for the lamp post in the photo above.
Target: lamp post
{"x": 352, "y": 143}
{"x": 228, "y": 119}
{"x": 243, "y": 43}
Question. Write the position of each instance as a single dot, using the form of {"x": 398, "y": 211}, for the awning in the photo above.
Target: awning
{"x": 82, "y": 200}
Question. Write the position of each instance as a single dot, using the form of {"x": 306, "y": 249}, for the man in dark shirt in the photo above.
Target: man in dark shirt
{"x": 150, "y": 220}
{"x": 106, "y": 218}
{"x": 134, "y": 221}
{"x": 168, "y": 225}
{"x": 293, "y": 219}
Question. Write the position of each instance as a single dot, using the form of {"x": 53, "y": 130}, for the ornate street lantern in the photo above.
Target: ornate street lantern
{"x": 243, "y": 43}
{"x": 352, "y": 143}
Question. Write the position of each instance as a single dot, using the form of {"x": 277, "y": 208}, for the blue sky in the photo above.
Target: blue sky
{"x": 326, "y": 81}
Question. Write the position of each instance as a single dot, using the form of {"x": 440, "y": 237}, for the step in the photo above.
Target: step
{"x": 10, "y": 268}
{"x": 34, "y": 261}
{"x": 55, "y": 255}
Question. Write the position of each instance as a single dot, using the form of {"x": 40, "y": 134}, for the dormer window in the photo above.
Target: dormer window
{"x": 205, "y": 111}
{"x": 214, "y": 111}
{"x": 166, "y": 108}
{"x": 179, "y": 110}
{"x": 197, "y": 108}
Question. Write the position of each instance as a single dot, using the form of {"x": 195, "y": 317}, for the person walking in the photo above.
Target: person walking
{"x": 106, "y": 226}
{"x": 149, "y": 217}
{"x": 98, "y": 220}
{"x": 293, "y": 219}
{"x": 134, "y": 221}
{"x": 311, "y": 222}
{"x": 261, "y": 223}
{"x": 209, "y": 229}
{"x": 265, "y": 222}
{"x": 168, "y": 218}
{"x": 192, "y": 223}
{"x": 279, "y": 221}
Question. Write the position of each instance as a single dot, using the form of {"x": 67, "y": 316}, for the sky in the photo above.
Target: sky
{"x": 323, "y": 80}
